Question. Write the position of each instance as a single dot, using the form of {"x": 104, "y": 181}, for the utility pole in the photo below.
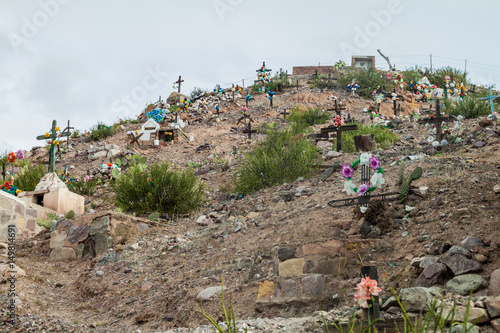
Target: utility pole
{"x": 431, "y": 62}
{"x": 465, "y": 72}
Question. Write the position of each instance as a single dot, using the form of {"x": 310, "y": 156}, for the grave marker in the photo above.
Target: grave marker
{"x": 338, "y": 130}
{"x": 394, "y": 97}
{"x": 135, "y": 139}
{"x": 67, "y": 129}
{"x": 413, "y": 105}
{"x": 284, "y": 113}
{"x": 53, "y": 136}
{"x": 178, "y": 82}
{"x": 271, "y": 97}
{"x": 436, "y": 120}
{"x": 3, "y": 171}
{"x": 490, "y": 98}
{"x": 248, "y": 120}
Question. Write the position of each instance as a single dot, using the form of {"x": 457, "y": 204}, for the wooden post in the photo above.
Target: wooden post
{"x": 3, "y": 171}
{"x": 371, "y": 272}
{"x": 233, "y": 91}
{"x": 179, "y": 82}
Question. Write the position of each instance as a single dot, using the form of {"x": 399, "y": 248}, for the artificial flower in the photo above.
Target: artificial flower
{"x": 363, "y": 189}
{"x": 347, "y": 171}
{"x": 365, "y": 158}
{"x": 374, "y": 163}
{"x": 11, "y": 158}
{"x": 57, "y": 129}
{"x": 349, "y": 187}
{"x": 20, "y": 154}
{"x": 377, "y": 180}
{"x": 6, "y": 185}
{"x": 366, "y": 288}
{"x": 47, "y": 134}
{"x": 110, "y": 164}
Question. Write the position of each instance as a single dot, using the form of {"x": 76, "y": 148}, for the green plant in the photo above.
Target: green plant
{"x": 154, "y": 217}
{"x": 322, "y": 82}
{"x": 29, "y": 176}
{"x": 229, "y": 316}
{"x": 93, "y": 205}
{"x": 468, "y": 107}
{"x": 384, "y": 137}
{"x": 282, "y": 157}
{"x": 101, "y": 131}
{"x": 76, "y": 134}
{"x": 308, "y": 117}
{"x": 367, "y": 79}
{"x": 405, "y": 181}
{"x": 159, "y": 189}
{"x": 69, "y": 215}
{"x": 46, "y": 223}
{"x": 197, "y": 92}
{"x": 193, "y": 165}
{"x": 84, "y": 187}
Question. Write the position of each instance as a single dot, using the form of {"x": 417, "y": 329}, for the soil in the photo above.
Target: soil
{"x": 154, "y": 287}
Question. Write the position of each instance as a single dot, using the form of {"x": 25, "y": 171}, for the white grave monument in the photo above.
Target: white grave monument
{"x": 148, "y": 128}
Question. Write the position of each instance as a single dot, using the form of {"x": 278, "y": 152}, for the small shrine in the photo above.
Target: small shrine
{"x": 152, "y": 134}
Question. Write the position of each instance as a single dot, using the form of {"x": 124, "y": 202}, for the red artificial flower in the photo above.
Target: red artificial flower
{"x": 11, "y": 158}
{"x": 7, "y": 185}
{"x": 110, "y": 164}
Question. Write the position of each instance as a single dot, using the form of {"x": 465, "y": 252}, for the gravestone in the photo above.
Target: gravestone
{"x": 148, "y": 128}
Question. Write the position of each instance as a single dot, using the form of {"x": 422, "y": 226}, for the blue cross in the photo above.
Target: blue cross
{"x": 491, "y": 98}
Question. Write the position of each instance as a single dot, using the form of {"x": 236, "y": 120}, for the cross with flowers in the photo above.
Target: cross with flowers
{"x": 437, "y": 120}
{"x": 490, "y": 98}
{"x": 369, "y": 183}
{"x": 53, "y": 138}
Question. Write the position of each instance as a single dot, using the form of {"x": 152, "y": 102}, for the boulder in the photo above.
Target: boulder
{"x": 460, "y": 264}
{"x": 416, "y": 299}
{"x": 266, "y": 290}
{"x": 332, "y": 248}
{"x": 495, "y": 283}
{"x": 208, "y": 293}
{"x": 476, "y": 315}
{"x": 292, "y": 267}
{"x": 313, "y": 284}
{"x": 471, "y": 242}
{"x": 464, "y": 284}
{"x": 285, "y": 253}
{"x": 436, "y": 273}
{"x": 63, "y": 253}
{"x": 493, "y": 307}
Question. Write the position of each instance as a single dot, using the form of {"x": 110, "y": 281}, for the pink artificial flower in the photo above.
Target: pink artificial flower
{"x": 336, "y": 124}
{"x": 347, "y": 171}
{"x": 363, "y": 189}
{"x": 20, "y": 154}
{"x": 86, "y": 178}
{"x": 374, "y": 163}
{"x": 495, "y": 114}
{"x": 245, "y": 109}
{"x": 366, "y": 289}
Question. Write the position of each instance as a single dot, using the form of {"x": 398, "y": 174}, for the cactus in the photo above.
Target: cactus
{"x": 401, "y": 173}
{"x": 405, "y": 182}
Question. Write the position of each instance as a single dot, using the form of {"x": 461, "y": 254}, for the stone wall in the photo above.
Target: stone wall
{"x": 22, "y": 214}
{"x": 309, "y": 70}
{"x": 89, "y": 235}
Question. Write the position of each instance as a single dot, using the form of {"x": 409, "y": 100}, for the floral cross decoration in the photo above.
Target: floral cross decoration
{"x": 376, "y": 179}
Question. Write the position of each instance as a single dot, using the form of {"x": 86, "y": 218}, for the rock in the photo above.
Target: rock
{"x": 493, "y": 307}
{"x": 289, "y": 288}
{"x": 285, "y": 253}
{"x": 470, "y": 328}
{"x": 324, "y": 144}
{"x": 266, "y": 290}
{"x": 479, "y": 144}
{"x": 481, "y": 258}
{"x": 390, "y": 302}
{"x": 476, "y": 315}
{"x": 335, "y": 266}
{"x": 416, "y": 299}
{"x": 100, "y": 154}
{"x": 207, "y": 293}
{"x": 134, "y": 246}
{"x": 494, "y": 287}
{"x": 438, "y": 247}
{"x": 101, "y": 244}
{"x": 366, "y": 228}
{"x": 100, "y": 226}
{"x": 113, "y": 153}
{"x": 62, "y": 253}
{"x": 459, "y": 264}
{"x": 313, "y": 285}
{"x": 485, "y": 123}
{"x": 254, "y": 215}
{"x": 57, "y": 238}
{"x": 426, "y": 261}
{"x": 332, "y": 154}
{"x": 78, "y": 234}
{"x": 415, "y": 262}
{"x": 496, "y": 325}
{"x": 496, "y": 188}
{"x": 206, "y": 222}
{"x": 459, "y": 250}
{"x": 99, "y": 273}
{"x": 292, "y": 267}
{"x": 436, "y": 273}
{"x": 280, "y": 206}
{"x": 53, "y": 225}
{"x": 332, "y": 247}
{"x": 463, "y": 284}
{"x": 471, "y": 242}
{"x": 141, "y": 227}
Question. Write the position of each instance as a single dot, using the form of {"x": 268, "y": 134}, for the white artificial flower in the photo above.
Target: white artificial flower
{"x": 363, "y": 209}
{"x": 349, "y": 187}
{"x": 364, "y": 158}
{"x": 377, "y": 180}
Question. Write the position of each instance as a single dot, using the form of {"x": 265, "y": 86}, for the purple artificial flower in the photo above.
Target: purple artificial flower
{"x": 347, "y": 171}
{"x": 20, "y": 154}
{"x": 374, "y": 163}
{"x": 363, "y": 189}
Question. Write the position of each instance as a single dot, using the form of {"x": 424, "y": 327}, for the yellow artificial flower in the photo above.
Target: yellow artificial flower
{"x": 47, "y": 134}
{"x": 57, "y": 129}
{"x": 18, "y": 191}
{"x": 56, "y": 142}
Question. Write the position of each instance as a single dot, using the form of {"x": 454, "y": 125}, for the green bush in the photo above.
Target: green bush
{"x": 197, "y": 93}
{"x": 322, "y": 82}
{"x": 367, "y": 79}
{"x": 308, "y": 117}
{"x": 29, "y": 176}
{"x": 158, "y": 189}
{"x": 101, "y": 131}
{"x": 468, "y": 107}
{"x": 84, "y": 188}
{"x": 384, "y": 137}
{"x": 278, "y": 82}
{"x": 435, "y": 76}
{"x": 281, "y": 158}
{"x": 69, "y": 215}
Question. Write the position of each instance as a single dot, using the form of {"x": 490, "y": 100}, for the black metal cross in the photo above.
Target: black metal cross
{"x": 284, "y": 113}
{"x": 338, "y": 130}
{"x": 339, "y": 107}
{"x": 365, "y": 198}
{"x": 437, "y": 120}
{"x": 178, "y": 82}
{"x": 248, "y": 120}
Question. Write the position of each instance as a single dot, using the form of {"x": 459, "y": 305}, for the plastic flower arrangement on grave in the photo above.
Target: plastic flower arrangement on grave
{"x": 378, "y": 98}
{"x": 248, "y": 98}
{"x": 366, "y": 289}
{"x": 244, "y": 109}
{"x": 337, "y": 121}
{"x": 86, "y": 178}
{"x": 184, "y": 105}
{"x": 11, "y": 158}
{"x": 157, "y": 114}
{"x": 20, "y": 154}
{"x": 340, "y": 64}
{"x": 271, "y": 94}
{"x": 218, "y": 91}
{"x": 376, "y": 179}
{"x": 353, "y": 86}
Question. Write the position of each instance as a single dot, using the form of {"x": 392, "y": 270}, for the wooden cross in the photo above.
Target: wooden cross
{"x": 371, "y": 272}
{"x": 3, "y": 171}
{"x": 135, "y": 139}
{"x": 178, "y": 82}
{"x": 246, "y": 118}
{"x": 339, "y": 131}
{"x": 339, "y": 107}
{"x": 68, "y": 128}
{"x": 413, "y": 105}
{"x": 52, "y": 136}
{"x": 437, "y": 120}
{"x": 394, "y": 96}
{"x": 490, "y": 98}
{"x": 284, "y": 113}
{"x": 329, "y": 170}
{"x": 233, "y": 90}
{"x": 365, "y": 198}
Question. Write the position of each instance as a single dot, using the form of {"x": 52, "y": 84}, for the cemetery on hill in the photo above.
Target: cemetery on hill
{"x": 284, "y": 194}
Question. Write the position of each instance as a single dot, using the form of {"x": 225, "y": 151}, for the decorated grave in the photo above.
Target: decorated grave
{"x": 152, "y": 134}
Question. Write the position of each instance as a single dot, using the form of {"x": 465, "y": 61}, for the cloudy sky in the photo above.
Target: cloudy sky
{"x": 92, "y": 61}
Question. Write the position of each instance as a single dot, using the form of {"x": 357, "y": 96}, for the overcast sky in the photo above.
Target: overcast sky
{"x": 89, "y": 61}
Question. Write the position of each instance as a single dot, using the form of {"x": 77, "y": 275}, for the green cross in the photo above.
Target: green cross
{"x": 490, "y": 97}
{"x": 52, "y": 137}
